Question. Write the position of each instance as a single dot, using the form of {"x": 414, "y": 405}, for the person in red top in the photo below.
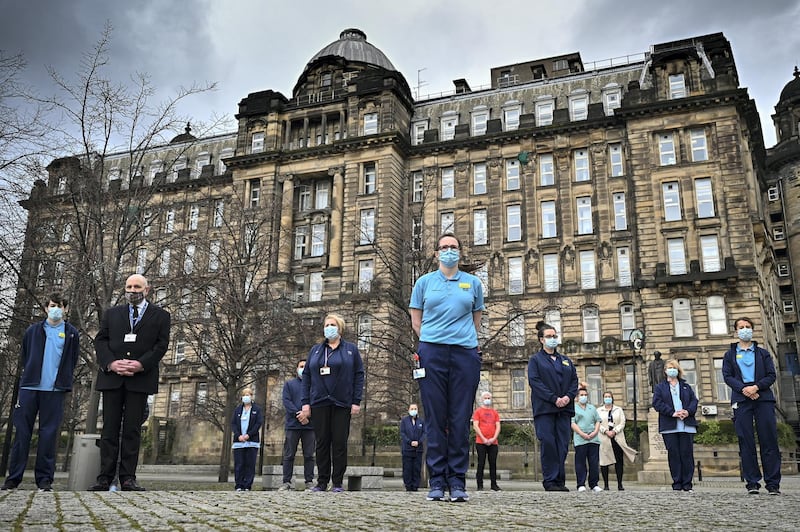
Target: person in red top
{"x": 486, "y": 421}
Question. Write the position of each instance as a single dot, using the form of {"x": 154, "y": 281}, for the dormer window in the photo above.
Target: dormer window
{"x": 677, "y": 86}
{"x": 579, "y": 105}
{"x": 370, "y": 123}
{"x": 325, "y": 79}
{"x": 257, "y": 142}
{"x": 448, "y": 125}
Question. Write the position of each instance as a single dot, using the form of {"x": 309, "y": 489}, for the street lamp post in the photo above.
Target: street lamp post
{"x": 637, "y": 343}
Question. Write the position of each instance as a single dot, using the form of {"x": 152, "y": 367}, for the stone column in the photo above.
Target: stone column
{"x": 337, "y": 212}
{"x": 306, "y": 140}
{"x": 287, "y": 143}
{"x": 286, "y": 234}
{"x": 324, "y": 128}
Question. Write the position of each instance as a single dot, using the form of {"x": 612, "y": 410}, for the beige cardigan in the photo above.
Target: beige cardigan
{"x": 606, "y": 451}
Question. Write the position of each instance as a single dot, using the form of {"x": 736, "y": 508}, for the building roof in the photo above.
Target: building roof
{"x": 352, "y": 45}
{"x": 792, "y": 89}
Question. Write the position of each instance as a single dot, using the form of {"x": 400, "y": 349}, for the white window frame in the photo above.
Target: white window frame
{"x": 366, "y": 272}
{"x": 624, "y": 274}
{"x": 783, "y": 269}
{"x": 448, "y": 182}
{"x": 418, "y": 132}
{"x": 417, "y": 187}
{"x": 479, "y": 120}
{"x": 299, "y": 288}
{"x": 672, "y": 201}
{"x": 627, "y": 320}
{"x": 188, "y": 259}
{"x": 511, "y": 116}
{"x": 202, "y": 159}
{"x": 367, "y": 226}
{"x": 255, "y": 192}
{"x": 689, "y": 367}
{"x": 549, "y": 220}
{"x": 370, "y": 178}
{"x": 163, "y": 265}
{"x": 194, "y": 217}
{"x": 620, "y": 211}
{"x": 583, "y": 209}
{"x": 516, "y": 331}
{"x": 479, "y": 179}
{"x": 612, "y": 99}
{"x": 578, "y": 107}
{"x": 257, "y": 142}
{"x": 676, "y": 256}
{"x": 315, "y": 286}
{"x": 519, "y": 389}
{"x": 300, "y": 241}
{"x": 448, "y": 123}
{"x": 516, "y": 281}
{"x": 219, "y": 213}
{"x": 224, "y": 154}
{"x": 178, "y": 357}
{"x": 677, "y": 86}
{"x": 788, "y": 306}
{"x": 370, "y": 123}
{"x": 709, "y": 253}
{"x": 667, "y": 155}
{"x": 213, "y": 255}
{"x": 322, "y": 195}
{"x": 717, "y": 315}
{"x": 723, "y": 390}
{"x": 580, "y": 160}
{"x": 141, "y": 260}
{"x": 304, "y": 198}
{"x": 364, "y": 332}
{"x": 169, "y": 222}
{"x": 318, "y": 239}
{"x": 552, "y": 282}
{"x": 544, "y": 111}
{"x": 512, "y": 174}
{"x": 704, "y": 196}
{"x": 615, "y": 160}
{"x": 513, "y": 223}
{"x": 594, "y": 379}
{"x": 682, "y": 317}
{"x": 480, "y": 229}
{"x": 588, "y": 270}
{"x": 553, "y": 318}
{"x": 447, "y": 222}
{"x": 699, "y": 145}
{"x": 547, "y": 176}
{"x": 773, "y": 193}
{"x": 590, "y": 319}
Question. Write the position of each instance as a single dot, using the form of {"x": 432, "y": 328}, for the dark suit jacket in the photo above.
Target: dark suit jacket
{"x": 253, "y": 426}
{"x": 152, "y": 340}
{"x": 411, "y": 430}
{"x": 662, "y": 403}
{"x": 550, "y": 380}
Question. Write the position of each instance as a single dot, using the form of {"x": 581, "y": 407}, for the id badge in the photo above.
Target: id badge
{"x": 324, "y": 370}
{"x": 419, "y": 373}
{"x": 130, "y": 337}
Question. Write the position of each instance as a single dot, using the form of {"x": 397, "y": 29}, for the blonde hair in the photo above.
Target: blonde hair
{"x": 247, "y": 391}
{"x": 673, "y": 363}
{"x": 339, "y": 322}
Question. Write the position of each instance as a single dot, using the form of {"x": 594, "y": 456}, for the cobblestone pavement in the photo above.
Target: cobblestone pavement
{"x": 520, "y": 506}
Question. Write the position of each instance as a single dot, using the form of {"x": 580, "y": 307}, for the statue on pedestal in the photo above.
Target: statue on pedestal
{"x": 656, "y": 371}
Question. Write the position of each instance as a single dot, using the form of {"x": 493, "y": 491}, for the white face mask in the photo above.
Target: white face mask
{"x": 246, "y": 399}
{"x": 300, "y": 373}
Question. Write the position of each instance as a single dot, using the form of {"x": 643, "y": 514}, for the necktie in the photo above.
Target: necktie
{"x": 135, "y": 313}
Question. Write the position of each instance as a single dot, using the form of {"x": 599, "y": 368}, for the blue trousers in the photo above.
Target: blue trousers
{"x": 412, "y": 471}
{"x": 293, "y": 437}
{"x": 680, "y": 455}
{"x": 50, "y": 408}
{"x": 763, "y": 414}
{"x": 587, "y": 453}
{"x": 452, "y": 374}
{"x": 554, "y": 433}
{"x": 244, "y": 467}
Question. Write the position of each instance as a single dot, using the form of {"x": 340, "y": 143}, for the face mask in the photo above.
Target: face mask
{"x": 608, "y": 400}
{"x": 745, "y": 334}
{"x": 55, "y": 313}
{"x": 331, "y": 332}
{"x": 449, "y": 257}
{"x": 412, "y": 413}
{"x": 551, "y": 343}
{"x": 487, "y": 402}
{"x": 246, "y": 399}
{"x": 672, "y": 372}
{"x": 583, "y": 399}
{"x": 300, "y": 373}
{"x": 134, "y": 298}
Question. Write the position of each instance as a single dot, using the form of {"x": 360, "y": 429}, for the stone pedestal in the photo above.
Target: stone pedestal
{"x": 656, "y": 470}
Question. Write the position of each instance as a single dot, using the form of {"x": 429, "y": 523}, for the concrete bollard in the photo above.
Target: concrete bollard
{"x": 85, "y": 462}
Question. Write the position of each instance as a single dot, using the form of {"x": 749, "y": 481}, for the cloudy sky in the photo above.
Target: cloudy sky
{"x": 251, "y": 45}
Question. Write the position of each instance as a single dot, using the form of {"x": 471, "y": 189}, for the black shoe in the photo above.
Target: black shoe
{"x": 9, "y": 485}
{"x": 479, "y": 488}
{"x": 773, "y": 491}
{"x": 101, "y": 485}
{"x": 131, "y": 485}
{"x": 563, "y": 488}
{"x": 496, "y": 488}
{"x": 45, "y": 485}
{"x": 620, "y": 488}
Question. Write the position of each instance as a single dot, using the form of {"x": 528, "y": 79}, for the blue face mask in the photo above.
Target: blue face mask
{"x": 672, "y": 372}
{"x": 412, "y": 413}
{"x": 449, "y": 257}
{"x": 583, "y": 399}
{"x": 246, "y": 399}
{"x": 551, "y": 343}
{"x": 745, "y": 334}
{"x": 331, "y": 332}
{"x": 300, "y": 373}
{"x": 487, "y": 402}
{"x": 608, "y": 400}
{"x": 55, "y": 313}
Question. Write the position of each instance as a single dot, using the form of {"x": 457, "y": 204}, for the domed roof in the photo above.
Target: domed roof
{"x": 353, "y": 46}
{"x": 185, "y": 136}
{"x": 792, "y": 89}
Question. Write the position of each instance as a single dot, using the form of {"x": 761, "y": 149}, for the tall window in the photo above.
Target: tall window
{"x": 201, "y": 396}
{"x": 315, "y": 286}
{"x": 418, "y": 132}
{"x": 584, "y": 207}
{"x": 690, "y": 374}
{"x": 682, "y": 317}
{"x": 677, "y": 86}
{"x": 717, "y": 318}
{"x": 705, "y": 198}
{"x": 627, "y": 320}
{"x": 516, "y": 331}
{"x": 367, "y": 232}
{"x": 591, "y": 325}
{"x": 213, "y": 255}
{"x": 141, "y": 260}
{"x": 188, "y": 259}
{"x": 257, "y": 144}
{"x": 550, "y": 266}
{"x": 615, "y": 159}
{"x": 519, "y": 389}
{"x": 304, "y": 197}
{"x": 723, "y": 390}
{"x": 365, "y": 274}
{"x": 448, "y": 222}
{"x": 479, "y": 119}
{"x": 163, "y": 267}
{"x": 416, "y": 233}
{"x": 515, "y": 281}
{"x": 514, "y": 223}
{"x": 321, "y": 194}
{"x": 417, "y": 187}
{"x": 594, "y": 379}
{"x": 578, "y": 106}
{"x": 709, "y": 253}
{"x": 480, "y": 231}
{"x": 169, "y": 221}
{"x": 219, "y": 212}
{"x": 370, "y": 123}
{"x": 611, "y": 100}
{"x": 224, "y": 154}
{"x": 672, "y": 201}
{"x": 677, "y": 256}
{"x": 581, "y": 162}
{"x": 511, "y": 117}
{"x": 544, "y": 112}
{"x": 255, "y": 192}
{"x": 482, "y": 274}
{"x": 546, "y": 174}
{"x": 666, "y": 149}
{"x": 549, "y": 226}
{"x": 620, "y": 214}
{"x": 318, "y": 238}
{"x": 210, "y": 299}
{"x": 624, "y": 277}
{"x": 447, "y": 130}
{"x": 448, "y": 183}
{"x": 697, "y": 138}
{"x": 180, "y": 354}
{"x": 629, "y": 395}
{"x": 369, "y": 178}
{"x": 479, "y": 178}
{"x": 299, "y": 288}
{"x": 194, "y": 217}
{"x": 553, "y": 317}
{"x": 512, "y": 174}
{"x": 300, "y": 241}
{"x": 364, "y": 332}
{"x": 588, "y": 273}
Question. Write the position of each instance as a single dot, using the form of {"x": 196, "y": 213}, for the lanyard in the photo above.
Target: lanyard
{"x": 135, "y": 320}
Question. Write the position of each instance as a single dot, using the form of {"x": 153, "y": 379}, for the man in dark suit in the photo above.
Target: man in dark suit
{"x": 131, "y": 342}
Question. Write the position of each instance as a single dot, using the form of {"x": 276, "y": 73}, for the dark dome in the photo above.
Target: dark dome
{"x": 185, "y": 136}
{"x": 792, "y": 89}
{"x": 353, "y": 46}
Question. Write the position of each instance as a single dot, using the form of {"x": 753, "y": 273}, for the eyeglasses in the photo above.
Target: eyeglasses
{"x": 445, "y": 248}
